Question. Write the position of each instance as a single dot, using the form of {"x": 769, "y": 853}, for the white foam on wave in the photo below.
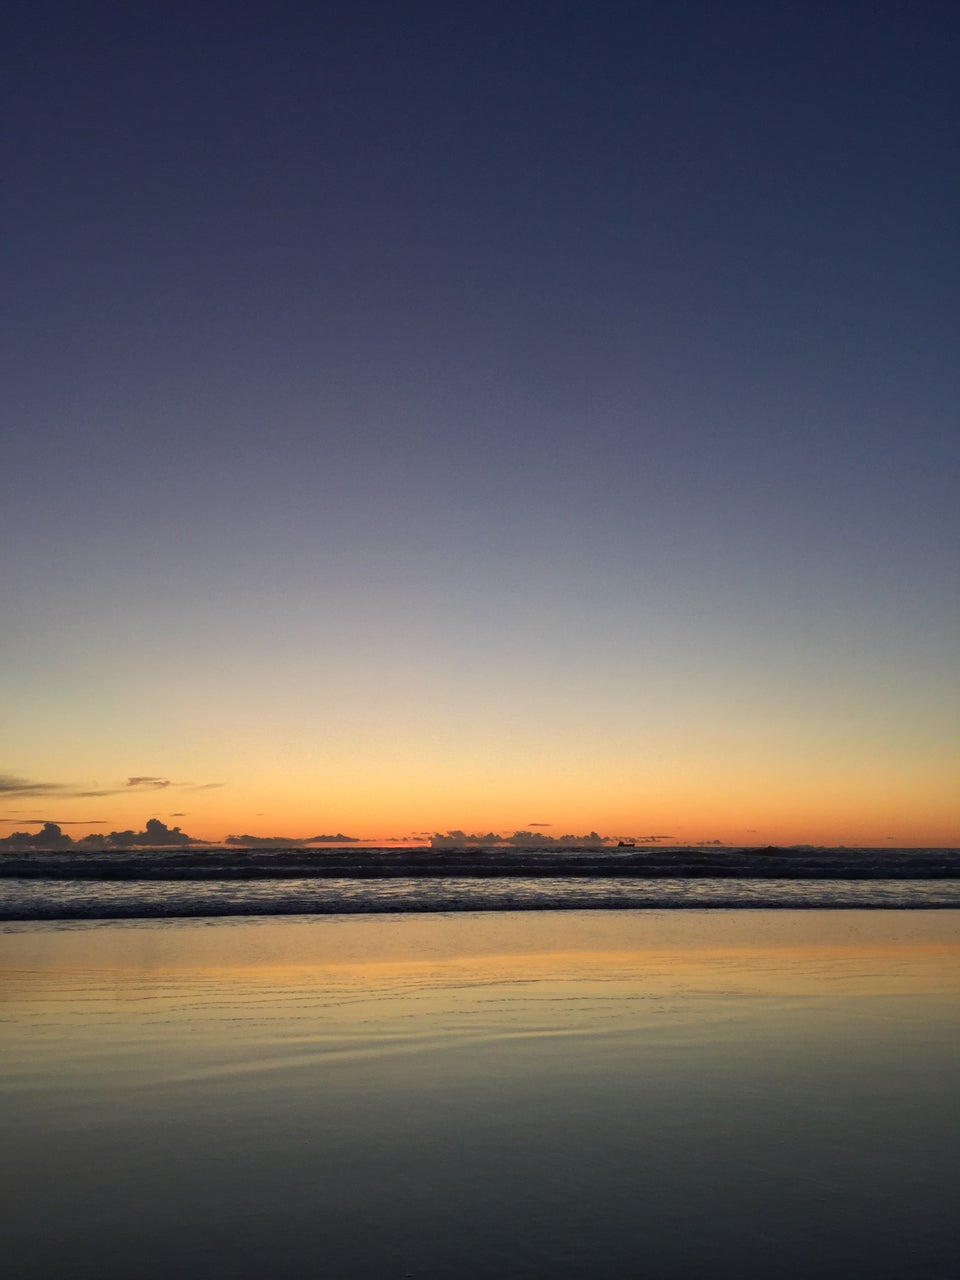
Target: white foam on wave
{"x": 60, "y": 899}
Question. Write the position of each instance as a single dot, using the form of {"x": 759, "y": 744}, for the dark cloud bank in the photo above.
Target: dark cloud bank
{"x": 519, "y": 840}
{"x": 535, "y": 840}
{"x": 155, "y": 835}
{"x": 285, "y": 842}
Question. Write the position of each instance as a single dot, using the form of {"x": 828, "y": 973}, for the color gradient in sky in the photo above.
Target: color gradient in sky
{"x": 420, "y": 416}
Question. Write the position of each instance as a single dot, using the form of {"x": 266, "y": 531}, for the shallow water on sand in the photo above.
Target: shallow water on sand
{"x": 520, "y": 1095}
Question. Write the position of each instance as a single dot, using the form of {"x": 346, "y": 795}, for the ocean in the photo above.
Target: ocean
{"x": 183, "y": 883}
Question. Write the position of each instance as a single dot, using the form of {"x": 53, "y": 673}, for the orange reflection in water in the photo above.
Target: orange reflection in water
{"x": 749, "y": 952}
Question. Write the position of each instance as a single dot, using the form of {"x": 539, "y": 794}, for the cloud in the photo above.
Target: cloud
{"x": 519, "y": 840}
{"x": 155, "y": 834}
{"x": 93, "y": 795}
{"x": 261, "y": 842}
{"x": 10, "y": 785}
{"x": 539, "y": 824}
{"x": 51, "y": 837}
{"x": 287, "y": 842}
{"x": 13, "y": 785}
{"x": 59, "y": 822}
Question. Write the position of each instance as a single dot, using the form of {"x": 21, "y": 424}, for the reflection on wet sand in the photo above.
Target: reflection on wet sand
{"x": 514, "y": 1095}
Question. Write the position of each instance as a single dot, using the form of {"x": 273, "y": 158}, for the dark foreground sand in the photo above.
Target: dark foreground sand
{"x": 559, "y": 1095}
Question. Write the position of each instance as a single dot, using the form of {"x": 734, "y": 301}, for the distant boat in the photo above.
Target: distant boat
{"x": 626, "y": 844}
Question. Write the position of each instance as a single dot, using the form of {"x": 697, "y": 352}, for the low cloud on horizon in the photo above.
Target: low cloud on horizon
{"x": 518, "y": 840}
{"x": 288, "y": 842}
{"x": 156, "y": 834}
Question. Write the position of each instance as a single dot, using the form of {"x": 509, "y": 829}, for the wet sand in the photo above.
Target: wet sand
{"x": 531, "y": 1095}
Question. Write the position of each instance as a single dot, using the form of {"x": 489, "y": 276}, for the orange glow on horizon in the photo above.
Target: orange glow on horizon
{"x": 737, "y": 801}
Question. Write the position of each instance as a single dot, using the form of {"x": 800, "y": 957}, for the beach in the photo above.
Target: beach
{"x": 502, "y": 1094}
{"x": 479, "y": 685}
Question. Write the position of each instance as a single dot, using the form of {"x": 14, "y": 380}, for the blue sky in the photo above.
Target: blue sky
{"x": 416, "y": 415}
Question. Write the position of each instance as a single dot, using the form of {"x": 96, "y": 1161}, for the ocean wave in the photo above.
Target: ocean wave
{"x": 24, "y": 899}
{"x": 377, "y": 863}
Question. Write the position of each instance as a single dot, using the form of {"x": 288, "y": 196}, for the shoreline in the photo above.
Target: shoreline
{"x": 144, "y": 917}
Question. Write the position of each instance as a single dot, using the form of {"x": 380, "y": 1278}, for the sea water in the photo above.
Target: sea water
{"x": 249, "y": 882}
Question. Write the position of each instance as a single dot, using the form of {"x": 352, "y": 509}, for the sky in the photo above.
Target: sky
{"x": 422, "y": 417}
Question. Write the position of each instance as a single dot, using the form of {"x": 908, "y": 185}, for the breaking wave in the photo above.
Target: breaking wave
{"x": 193, "y": 883}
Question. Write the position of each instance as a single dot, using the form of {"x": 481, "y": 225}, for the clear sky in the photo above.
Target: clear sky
{"x": 423, "y": 416}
